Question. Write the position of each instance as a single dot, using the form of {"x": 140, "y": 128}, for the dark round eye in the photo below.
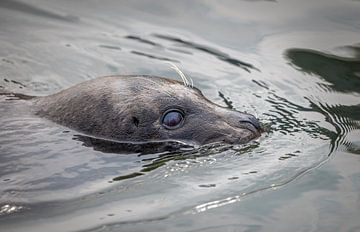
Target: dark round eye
{"x": 172, "y": 119}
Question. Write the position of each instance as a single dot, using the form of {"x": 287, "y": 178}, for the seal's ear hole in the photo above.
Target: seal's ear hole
{"x": 135, "y": 121}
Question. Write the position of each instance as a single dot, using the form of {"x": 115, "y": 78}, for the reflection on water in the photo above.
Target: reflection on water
{"x": 220, "y": 55}
{"x": 292, "y": 70}
{"x": 342, "y": 74}
{"x": 33, "y": 10}
{"x": 156, "y": 154}
{"x": 129, "y": 148}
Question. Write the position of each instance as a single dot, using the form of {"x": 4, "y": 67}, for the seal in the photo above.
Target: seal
{"x": 140, "y": 108}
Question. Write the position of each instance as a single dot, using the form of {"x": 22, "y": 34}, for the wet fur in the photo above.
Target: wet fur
{"x": 129, "y": 108}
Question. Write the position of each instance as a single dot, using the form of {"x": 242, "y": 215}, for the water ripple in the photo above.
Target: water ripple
{"x": 211, "y": 51}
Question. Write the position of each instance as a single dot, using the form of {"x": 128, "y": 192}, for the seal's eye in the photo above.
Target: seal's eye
{"x": 172, "y": 119}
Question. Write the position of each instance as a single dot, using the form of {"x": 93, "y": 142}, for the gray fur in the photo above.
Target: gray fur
{"x": 130, "y": 108}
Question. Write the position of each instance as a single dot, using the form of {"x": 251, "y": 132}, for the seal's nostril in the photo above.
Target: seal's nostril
{"x": 254, "y": 121}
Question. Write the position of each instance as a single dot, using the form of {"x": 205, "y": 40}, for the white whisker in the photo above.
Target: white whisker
{"x": 181, "y": 74}
{"x": 192, "y": 83}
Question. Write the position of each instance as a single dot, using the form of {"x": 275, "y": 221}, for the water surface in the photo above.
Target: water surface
{"x": 295, "y": 65}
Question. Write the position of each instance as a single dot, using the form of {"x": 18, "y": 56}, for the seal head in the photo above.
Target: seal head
{"x": 146, "y": 109}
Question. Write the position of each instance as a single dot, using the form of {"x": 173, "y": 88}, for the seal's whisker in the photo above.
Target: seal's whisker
{"x": 181, "y": 74}
{"x": 192, "y": 83}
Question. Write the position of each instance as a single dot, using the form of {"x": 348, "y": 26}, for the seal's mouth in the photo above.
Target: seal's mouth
{"x": 252, "y": 124}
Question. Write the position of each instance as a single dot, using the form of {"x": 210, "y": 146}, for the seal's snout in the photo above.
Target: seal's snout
{"x": 248, "y": 118}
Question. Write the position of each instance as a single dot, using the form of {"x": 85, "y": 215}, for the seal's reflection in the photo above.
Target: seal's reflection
{"x": 141, "y": 149}
{"x": 157, "y": 154}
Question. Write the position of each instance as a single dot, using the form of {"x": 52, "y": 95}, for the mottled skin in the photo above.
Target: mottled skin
{"x": 130, "y": 109}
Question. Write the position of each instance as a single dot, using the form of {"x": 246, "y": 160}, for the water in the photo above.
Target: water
{"x": 295, "y": 65}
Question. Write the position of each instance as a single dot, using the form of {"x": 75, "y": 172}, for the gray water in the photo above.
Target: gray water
{"x": 293, "y": 64}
